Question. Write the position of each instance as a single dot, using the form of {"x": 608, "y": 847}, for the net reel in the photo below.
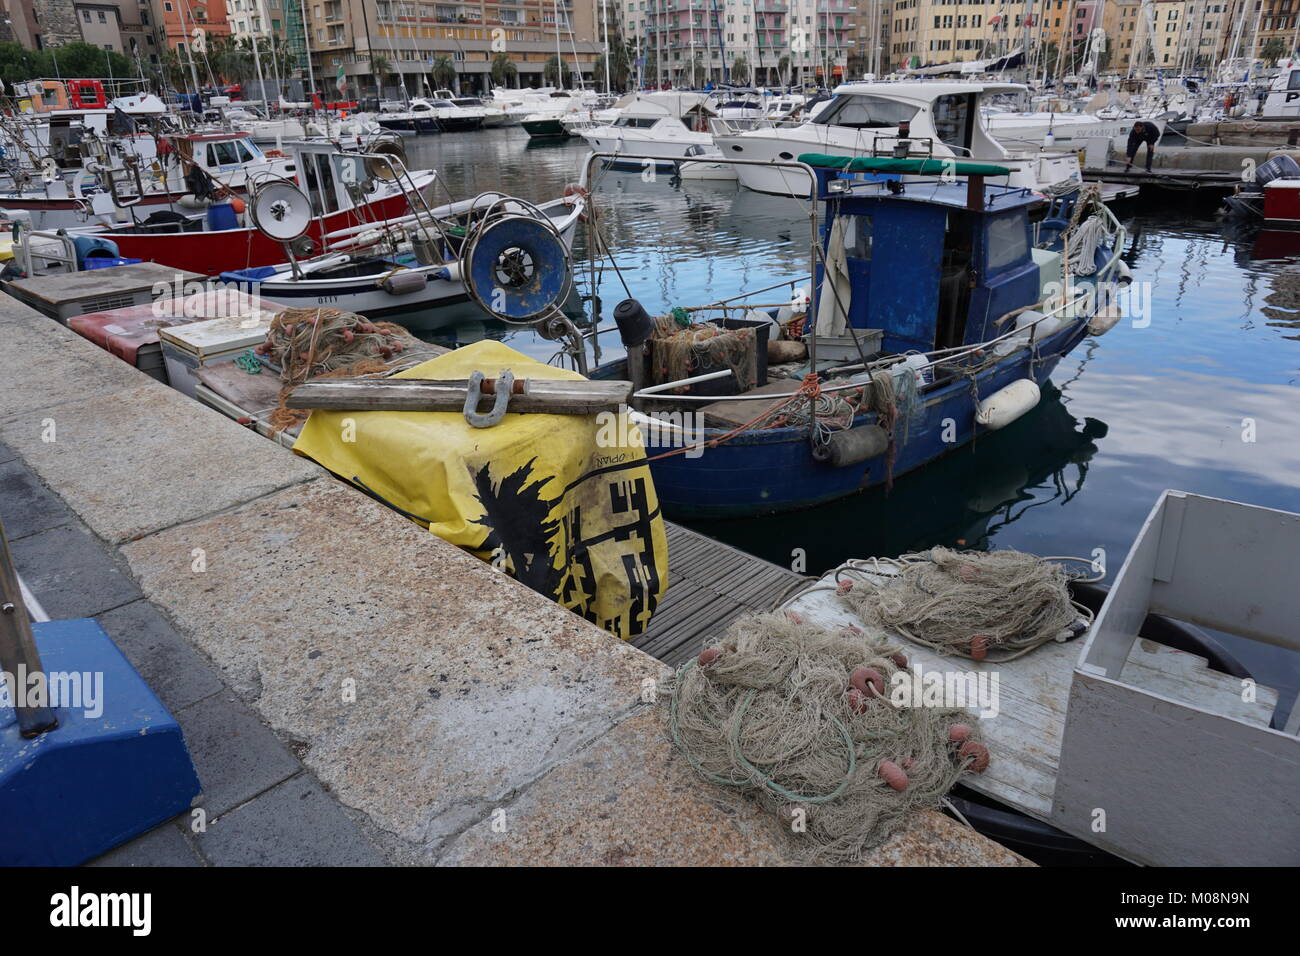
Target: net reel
{"x": 281, "y": 211}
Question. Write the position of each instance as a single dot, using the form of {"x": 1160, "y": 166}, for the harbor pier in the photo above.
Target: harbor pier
{"x": 353, "y": 689}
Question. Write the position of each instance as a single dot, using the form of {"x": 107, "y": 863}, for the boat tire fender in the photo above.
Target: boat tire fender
{"x": 851, "y": 446}
{"x": 404, "y": 283}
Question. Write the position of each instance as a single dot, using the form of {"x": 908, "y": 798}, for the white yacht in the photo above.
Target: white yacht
{"x": 670, "y": 127}
{"x": 913, "y": 119}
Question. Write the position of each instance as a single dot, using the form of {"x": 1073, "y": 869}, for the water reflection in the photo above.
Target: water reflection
{"x": 964, "y": 500}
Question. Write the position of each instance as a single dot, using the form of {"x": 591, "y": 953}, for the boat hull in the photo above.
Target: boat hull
{"x": 771, "y": 471}
{"x": 545, "y": 129}
{"x": 210, "y": 253}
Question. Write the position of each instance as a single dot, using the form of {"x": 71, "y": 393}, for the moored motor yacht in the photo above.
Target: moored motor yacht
{"x": 908, "y": 120}
{"x": 668, "y": 126}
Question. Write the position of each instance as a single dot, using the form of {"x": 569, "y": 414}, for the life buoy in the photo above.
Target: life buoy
{"x": 49, "y": 88}
{"x": 88, "y": 95}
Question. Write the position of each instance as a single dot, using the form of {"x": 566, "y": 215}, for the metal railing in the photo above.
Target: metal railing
{"x": 19, "y": 658}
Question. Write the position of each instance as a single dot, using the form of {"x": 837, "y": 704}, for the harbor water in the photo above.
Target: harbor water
{"x": 1197, "y": 389}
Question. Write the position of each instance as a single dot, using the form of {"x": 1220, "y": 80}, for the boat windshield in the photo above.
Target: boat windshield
{"x": 860, "y": 111}
{"x": 636, "y": 122}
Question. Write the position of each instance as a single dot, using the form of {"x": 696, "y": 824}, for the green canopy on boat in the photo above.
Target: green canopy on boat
{"x": 882, "y": 164}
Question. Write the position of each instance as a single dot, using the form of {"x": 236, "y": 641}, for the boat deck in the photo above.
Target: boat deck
{"x": 709, "y": 585}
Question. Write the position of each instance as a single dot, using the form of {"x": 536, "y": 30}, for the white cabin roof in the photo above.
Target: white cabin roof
{"x": 926, "y": 92}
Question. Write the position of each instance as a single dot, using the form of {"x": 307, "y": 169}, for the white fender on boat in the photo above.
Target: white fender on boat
{"x": 1007, "y": 404}
{"x": 1125, "y": 273}
{"x": 799, "y": 302}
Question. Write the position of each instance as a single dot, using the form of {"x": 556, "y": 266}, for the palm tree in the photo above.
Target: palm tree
{"x": 382, "y": 70}
{"x": 740, "y": 70}
{"x": 443, "y": 71}
{"x": 504, "y": 71}
{"x": 783, "y": 67}
{"x": 555, "y": 72}
{"x": 1273, "y": 50}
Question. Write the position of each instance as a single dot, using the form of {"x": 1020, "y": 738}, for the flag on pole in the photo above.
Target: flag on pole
{"x": 341, "y": 81}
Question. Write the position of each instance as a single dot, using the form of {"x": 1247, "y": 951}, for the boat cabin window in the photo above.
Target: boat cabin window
{"x": 226, "y": 151}
{"x": 857, "y": 238}
{"x": 953, "y": 117}
{"x": 1008, "y": 241}
{"x": 318, "y": 176}
{"x": 857, "y": 111}
{"x": 635, "y": 122}
{"x": 1293, "y": 82}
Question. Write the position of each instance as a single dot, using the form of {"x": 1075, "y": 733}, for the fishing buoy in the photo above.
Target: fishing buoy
{"x": 900, "y": 659}
{"x": 237, "y": 204}
{"x": 868, "y": 680}
{"x": 892, "y": 774}
{"x": 980, "y": 753}
{"x": 857, "y": 701}
{"x": 979, "y": 647}
{"x": 709, "y": 655}
{"x": 958, "y": 732}
{"x": 1007, "y": 404}
{"x": 851, "y": 445}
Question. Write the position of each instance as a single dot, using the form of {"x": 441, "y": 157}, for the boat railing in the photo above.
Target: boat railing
{"x": 68, "y": 259}
{"x": 937, "y": 357}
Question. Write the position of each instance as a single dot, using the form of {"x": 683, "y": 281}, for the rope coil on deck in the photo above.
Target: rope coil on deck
{"x": 801, "y": 717}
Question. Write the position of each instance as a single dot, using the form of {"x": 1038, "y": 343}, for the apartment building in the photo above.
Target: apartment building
{"x": 347, "y": 34}
{"x": 122, "y": 26}
{"x": 692, "y": 42}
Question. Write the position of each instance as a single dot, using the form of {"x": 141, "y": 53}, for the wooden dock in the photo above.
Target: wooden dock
{"x": 709, "y": 585}
{"x": 1166, "y": 177}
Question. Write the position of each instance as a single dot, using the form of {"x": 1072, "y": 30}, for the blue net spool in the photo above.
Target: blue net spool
{"x": 517, "y": 268}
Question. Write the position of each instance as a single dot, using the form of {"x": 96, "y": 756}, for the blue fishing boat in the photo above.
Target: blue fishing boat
{"x": 947, "y": 306}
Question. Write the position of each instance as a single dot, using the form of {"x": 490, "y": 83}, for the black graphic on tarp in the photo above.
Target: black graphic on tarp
{"x": 555, "y": 556}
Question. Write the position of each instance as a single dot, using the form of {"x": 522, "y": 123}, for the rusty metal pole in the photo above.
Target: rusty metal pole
{"x": 18, "y": 655}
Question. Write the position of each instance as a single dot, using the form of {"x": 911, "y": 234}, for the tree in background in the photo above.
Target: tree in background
{"x": 504, "y": 71}
{"x": 76, "y": 60}
{"x": 620, "y": 66}
{"x": 381, "y": 70}
{"x": 443, "y": 71}
{"x": 783, "y": 68}
{"x": 1274, "y": 50}
{"x": 555, "y": 72}
{"x": 740, "y": 71}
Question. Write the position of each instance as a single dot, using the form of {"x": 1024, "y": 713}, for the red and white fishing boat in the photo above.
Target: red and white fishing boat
{"x": 345, "y": 190}
{"x": 160, "y": 179}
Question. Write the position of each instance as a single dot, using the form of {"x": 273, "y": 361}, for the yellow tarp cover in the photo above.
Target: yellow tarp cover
{"x": 539, "y": 496}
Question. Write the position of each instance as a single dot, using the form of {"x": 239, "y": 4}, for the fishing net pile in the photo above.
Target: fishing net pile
{"x": 992, "y": 606}
{"x": 801, "y": 718}
{"x": 677, "y": 352}
{"x": 311, "y": 343}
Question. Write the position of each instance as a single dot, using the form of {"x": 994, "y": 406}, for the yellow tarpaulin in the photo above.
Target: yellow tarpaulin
{"x": 539, "y": 496}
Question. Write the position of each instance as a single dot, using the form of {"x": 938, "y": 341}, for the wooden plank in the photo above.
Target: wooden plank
{"x": 530, "y": 396}
{"x": 1187, "y": 679}
{"x": 1024, "y": 738}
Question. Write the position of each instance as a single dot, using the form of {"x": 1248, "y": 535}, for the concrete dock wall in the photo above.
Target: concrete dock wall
{"x": 460, "y": 716}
